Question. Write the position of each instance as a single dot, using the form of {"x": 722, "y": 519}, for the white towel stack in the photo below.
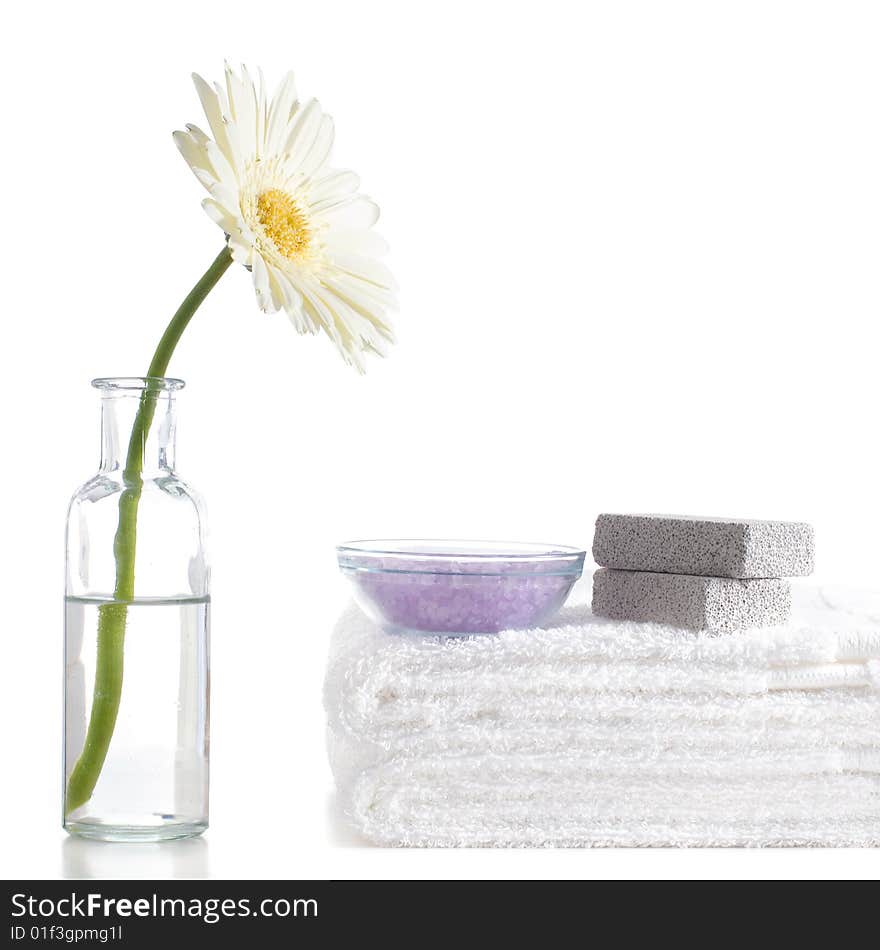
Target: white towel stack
{"x": 594, "y": 732}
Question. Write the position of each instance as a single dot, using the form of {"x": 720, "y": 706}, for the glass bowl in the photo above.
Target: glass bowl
{"x": 459, "y": 587}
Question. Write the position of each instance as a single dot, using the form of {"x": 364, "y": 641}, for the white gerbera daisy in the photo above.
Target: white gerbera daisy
{"x": 301, "y": 227}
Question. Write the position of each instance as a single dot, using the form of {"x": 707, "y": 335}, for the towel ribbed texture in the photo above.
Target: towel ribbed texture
{"x": 592, "y": 732}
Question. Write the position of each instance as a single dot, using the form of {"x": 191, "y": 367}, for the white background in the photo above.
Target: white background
{"x": 638, "y": 251}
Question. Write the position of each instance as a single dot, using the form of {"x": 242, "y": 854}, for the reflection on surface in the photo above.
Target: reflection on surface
{"x": 102, "y": 859}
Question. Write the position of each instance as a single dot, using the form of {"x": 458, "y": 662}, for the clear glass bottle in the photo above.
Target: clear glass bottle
{"x": 136, "y": 636}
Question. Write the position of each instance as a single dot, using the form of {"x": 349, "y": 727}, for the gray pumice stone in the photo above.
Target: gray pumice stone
{"x": 713, "y": 547}
{"x": 717, "y": 604}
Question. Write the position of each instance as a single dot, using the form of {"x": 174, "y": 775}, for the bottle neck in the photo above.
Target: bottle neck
{"x": 118, "y": 412}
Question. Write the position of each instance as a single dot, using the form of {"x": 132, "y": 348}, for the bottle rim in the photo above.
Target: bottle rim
{"x": 122, "y": 384}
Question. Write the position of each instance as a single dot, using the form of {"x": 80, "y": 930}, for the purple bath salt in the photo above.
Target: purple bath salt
{"x": 448, "y": 587}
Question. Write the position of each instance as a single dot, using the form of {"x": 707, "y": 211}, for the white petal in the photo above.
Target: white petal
{"x": 262, "y": 109}
{"x": 233, "y": 151}
{"x": 223, "y": 170}
{"x": 345, "y": 327}
{"x": 319, "y": 153}
{"x": 277, "y": 289}
{"x": 356, "y": 212}
{"x": 356, "y": 240}
{"x": 200, "y": 137}
{"x": 211, "y": 103}
{"x": 196, "y": 157}
{"x": 291, "y": 296}
{"x": 228, "y": 197}
{"x": 318, "y": 311}
{"x": 367, "y": 330}
{"x": 242, "y": 251}
{"x": 355, "y": 294}
{"x": 220, "y": 215}
{"x": 280, "y": 110}
{"x": 240, "y": 237}
{"x": 295, "y": 306}
{"x": 331, "y": 188}
{"x": 301, "y": 135}
{"x": 243, "y": 110}
{"x": 261, "y": 285}
{"x": 365, "y": 268}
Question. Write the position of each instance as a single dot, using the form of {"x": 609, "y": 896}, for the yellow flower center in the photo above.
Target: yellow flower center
{"x": 284, "y": 223}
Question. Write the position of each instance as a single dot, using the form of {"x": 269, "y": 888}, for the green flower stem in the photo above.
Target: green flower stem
{"x": 112, "y": 617}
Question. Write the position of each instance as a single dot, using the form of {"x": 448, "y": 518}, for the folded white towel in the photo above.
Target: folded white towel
{"x": 498, "y": 801}
{"x": 599, "y": 732}
{"x": 379, "y": 683}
